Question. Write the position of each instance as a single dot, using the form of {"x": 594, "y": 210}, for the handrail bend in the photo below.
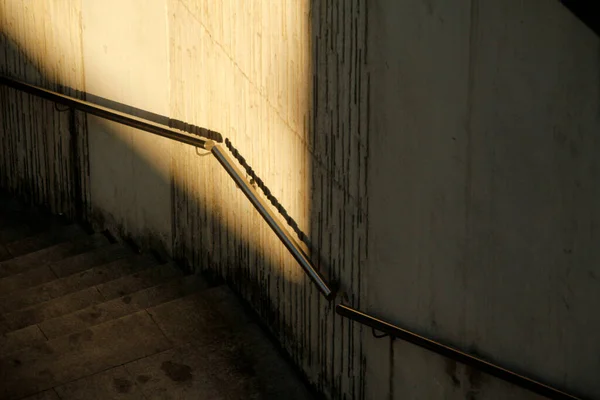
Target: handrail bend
{"x": 287, "y": 239}
{"x": 226, "y": 162}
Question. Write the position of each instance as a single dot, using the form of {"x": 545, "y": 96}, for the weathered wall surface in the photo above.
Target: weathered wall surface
{"x": 284, "y": 80}
{"x": 37, "y": 148}
{"x": 125, "y": 58}
{"x": 484, "y": 195}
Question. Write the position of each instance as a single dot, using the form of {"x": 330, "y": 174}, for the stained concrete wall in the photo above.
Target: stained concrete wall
{"x": 478, "y": 122}
{"x": 484, "y": 195}
{"x": 284, "y": 80}
{"x": 37, "y": 161}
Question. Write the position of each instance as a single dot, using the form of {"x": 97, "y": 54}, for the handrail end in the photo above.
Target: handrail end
{"x": 333, "y": 290}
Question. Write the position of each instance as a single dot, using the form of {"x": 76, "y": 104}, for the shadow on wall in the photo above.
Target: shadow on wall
{"x": 19, "y": 114}
{"x": 39, "y": 141}
{"x": 21, "y": 117}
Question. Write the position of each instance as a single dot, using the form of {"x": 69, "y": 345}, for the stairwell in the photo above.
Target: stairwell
{"x": 83, "y": 317}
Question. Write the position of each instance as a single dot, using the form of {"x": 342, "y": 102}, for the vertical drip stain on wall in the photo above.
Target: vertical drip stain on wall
{"x": 285, "y": 81}
{"x": 281, "y": 66}
{"x": 39, "y": 143}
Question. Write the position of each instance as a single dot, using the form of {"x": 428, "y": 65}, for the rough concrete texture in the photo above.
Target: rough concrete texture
{"x": 70, "y": 338}
{"x": 286, "y": 81}
{"x": 475, "y": 124}
{"x": 484, "y": 203}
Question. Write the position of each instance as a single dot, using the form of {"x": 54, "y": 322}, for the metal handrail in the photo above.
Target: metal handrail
{"x": 282, "y": 233}
{"x": 288, "y": 240}
{"x": 108, "y": 113}
{"x": 145, "y": 125}
{"x": 454, "y": 354}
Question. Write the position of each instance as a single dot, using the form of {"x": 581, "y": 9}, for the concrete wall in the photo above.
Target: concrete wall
{"x": 285, "y": 80}
{"x": 478, "y": 122}
{"x": 484, "y": 195}
{"x": 36, "y": 157}
{"x": 126, "y": 59}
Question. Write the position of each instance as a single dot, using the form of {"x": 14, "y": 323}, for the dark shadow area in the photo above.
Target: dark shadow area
{"x": 587, "y": 11}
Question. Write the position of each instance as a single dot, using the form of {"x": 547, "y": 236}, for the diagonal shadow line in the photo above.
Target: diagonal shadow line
{"x": 256, "y": 288}
{"x": 586, "y": 11}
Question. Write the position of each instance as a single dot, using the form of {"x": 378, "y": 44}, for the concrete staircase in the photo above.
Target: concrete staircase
{"x": 84, "y": 318}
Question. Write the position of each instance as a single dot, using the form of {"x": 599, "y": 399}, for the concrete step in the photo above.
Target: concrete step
{"x": 51, "y": 237}
{"x": 73, "y": 283}
{"x": 53, "y": 308}
{"x": 219, "y": 370}
{"x": 14, "y": 229}
{"x": 197, "y": 317}
{"x": 121, "y": 306}
{"x": 98, "y": 314}
{"x": 216, "y": 341}
{"x": 220, "y": 354}
{"x": 4, "y": 253}
{"x": 21, "y": 338}
{"x": 28, "y": 278}
{"x": 115, "y": 383}
{"x": 139, "y": 281}
{"x": 94, "y": 257}
{"x": 46, "y": 395}
{"x": 104, "y": 254}
{"x": 81, "y": 354}
{"x": 87, "y": 297}
{"x": 10, "y": 232}
{"x": 80, "y": 244}
{"x": 16, "y": 225}
{"x": 84, "y": 319}
{"x": 4, "y": 328}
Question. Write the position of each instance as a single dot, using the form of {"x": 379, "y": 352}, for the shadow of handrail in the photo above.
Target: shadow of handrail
{"x": 447, "y": 351}
{"x": 197, "y": 141}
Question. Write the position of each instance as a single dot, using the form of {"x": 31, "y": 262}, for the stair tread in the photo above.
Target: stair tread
{"x": 121, "y": 306}
{"x": 217, "y": 315}
{"x": 25, "y": 337}
{"x": 4, "y": 327}
{"x": 115, "y": 383}
{"x": 83, "y": 318}
{"x": 219, "y": 370}
{"x": 139, "y": 281}
{"x": 191, "y": 318}
{"x": 91, "y": 258}
{"x": 80, "y": 354}
{"x": 51, "y": 254}
{"x": 194, "y": 367}
{"x": 18, "y": 230}
{"x": 215, "y": 335}
{"x": 73, "y": 264}
{"x": 51, "y": 237}
{"x": 98, "y": 314}
{"x": 222, "y": 369}
{"x": 53, "y": 308}
{"x": 72, "y": 283}
{"x": 209, "y": 334}
{"x": 46, "y": 395}
{"x": 4, "y": 253}
{"x": 32, "y": 277}
{"x": 21, "y": 224}
{"x": 151, "y": 275}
